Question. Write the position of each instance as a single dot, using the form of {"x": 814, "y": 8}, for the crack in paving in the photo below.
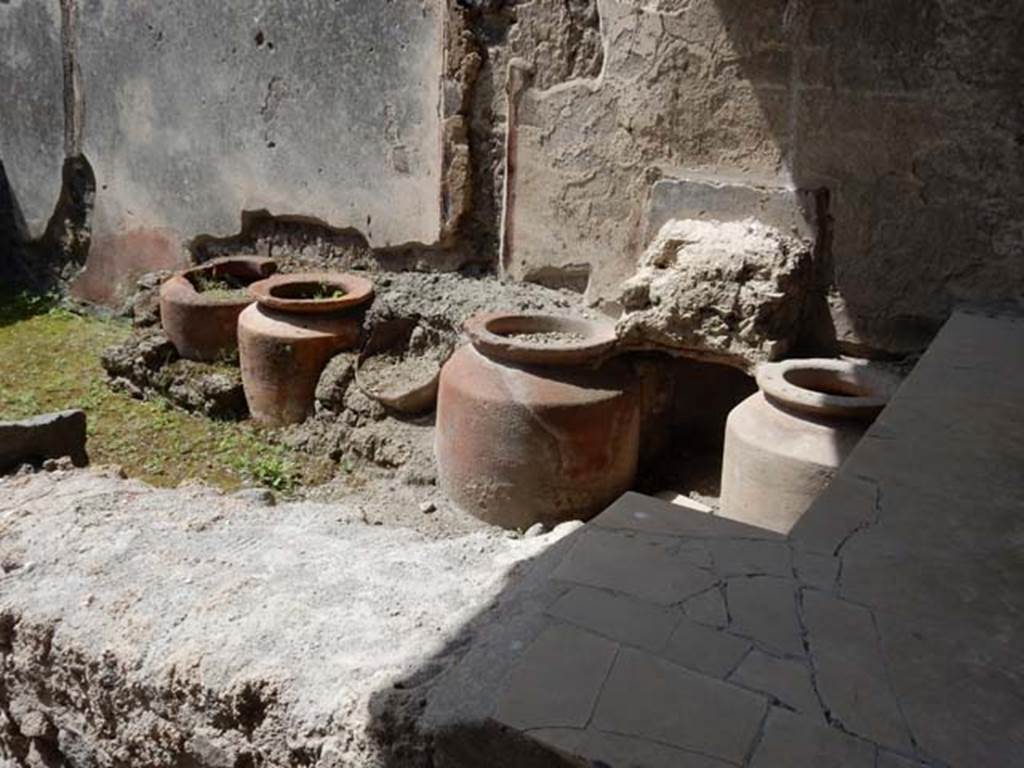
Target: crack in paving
{"x": 866, "y": 524}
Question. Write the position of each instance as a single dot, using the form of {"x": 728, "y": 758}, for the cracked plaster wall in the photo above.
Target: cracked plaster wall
{"x": 325, "y": 109}
{"x": 909, "y": 114}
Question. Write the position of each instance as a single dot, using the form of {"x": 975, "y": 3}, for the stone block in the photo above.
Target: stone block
{"x": 707, "y": 608}
{"x": 32, "y": 105}
{"x": 787, "y": 210}
{"x": 851, "y": 670}
{"x": 622, "y": 751}
{"x": 557, "y": 681}
{"x": 50, "y": 436}
{"x": 958, "y": 683}
{"x": 621, "y": 618}
{"x": 731, "y": 292}
{"x": 740, "y": 557}
{"x": 637, "y": 565}
{"x": 815, "y": 569}
{"x": 888, "y": 759}
{"x": 704, "y": 649}
{"x": 650, "y": 698}
{"x": 638, "y": 512}
{"x": 787, "y": 681}
{"x": 791, "y": 740}
{"x": 764, "y": 609}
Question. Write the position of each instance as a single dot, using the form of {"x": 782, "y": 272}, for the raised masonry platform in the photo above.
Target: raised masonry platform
{"x": 883, "y": 632}
{"x": 174, "y": 628}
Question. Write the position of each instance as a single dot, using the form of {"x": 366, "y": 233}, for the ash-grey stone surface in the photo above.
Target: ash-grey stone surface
{"x": 161, "y": 627}
{"x": 703, "y": 649}
{"x": 32, "y": 105}
{"x": 624, "y": 751}
{"x": 851, "y": 670}
{"x": 764, "y": 609}
{"x": 708, "y": 608}
{"x": 620, "y": 618}
{"x": 642, "y": 566}
{"x": 884, "y": 639}
{"x": 815, "y": 569}
{"x": 790, "y": 740}
{"x": 558, "y": 681}
{"x": 785, "y": 680}
{"x": 649, "y": 697}
{"x": 646, "y": 514}
{"x": 739, "y": 557}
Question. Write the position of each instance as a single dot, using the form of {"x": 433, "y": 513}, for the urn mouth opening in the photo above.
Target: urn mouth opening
{"x": 827, "y": 382}
{"x": 825, "y": 387}
{"x": 223, "y": 281}
{"x": 311, "y": 292}
{"x": 540, "y": 339}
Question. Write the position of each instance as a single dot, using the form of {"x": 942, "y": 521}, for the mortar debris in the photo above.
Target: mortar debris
{"x": 548, "y": 337}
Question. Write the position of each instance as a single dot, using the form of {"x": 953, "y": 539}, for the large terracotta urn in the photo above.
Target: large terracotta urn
{"x": 199, "y": 307}
{"x": 534, "y": 424}
{"x": 784, "y": 444}
{"x": 299, "y": 321}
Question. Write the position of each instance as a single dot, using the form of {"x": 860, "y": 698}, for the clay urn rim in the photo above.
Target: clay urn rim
{"x": 271, "y": 293}
{"x": 415, "y": 399}
{"x": 180, "y": 288}
{"x": 494, "y": 335}
{"x": 827, "y": 387}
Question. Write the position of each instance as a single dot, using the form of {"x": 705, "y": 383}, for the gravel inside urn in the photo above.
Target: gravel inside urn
{"x": 547, "y": 337}
{"x": 226, "y": 288}
{"x": 389, "y": 374}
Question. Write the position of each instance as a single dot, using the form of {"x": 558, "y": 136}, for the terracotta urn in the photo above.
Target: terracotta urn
{"x": 299, "y": 321}
{"x": 199, "y": 307}
{"x": 784, "y": 444}
{"x": 534, "y": 424}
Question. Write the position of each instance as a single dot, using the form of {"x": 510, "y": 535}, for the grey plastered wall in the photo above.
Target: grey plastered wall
{"x": 326, "y": 109}
{"x": 191, "y": 113}
{"x": 31, "y": 112}
{"x": 909, "y": 114}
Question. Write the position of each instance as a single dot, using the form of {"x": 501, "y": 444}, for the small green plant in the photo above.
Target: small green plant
{"x": 326, "y": 291}
{"x": 273, "y": 471}
{"x": 219, "y": 288}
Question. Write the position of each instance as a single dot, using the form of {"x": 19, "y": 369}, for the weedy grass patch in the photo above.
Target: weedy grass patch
{"x": 50, "y": 362}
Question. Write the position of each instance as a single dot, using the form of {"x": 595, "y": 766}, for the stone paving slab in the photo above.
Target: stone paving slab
{"x": 882, "y": 633}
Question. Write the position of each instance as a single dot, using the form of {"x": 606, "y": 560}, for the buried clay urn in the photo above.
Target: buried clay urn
{"x": 784, "y": 444}
{"x": 299, "y": 321}
{"x": 199, "y": 307}
{"x": 534, "y": 422}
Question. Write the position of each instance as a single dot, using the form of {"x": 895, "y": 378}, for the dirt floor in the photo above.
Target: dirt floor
{"x": 353, "y": 451}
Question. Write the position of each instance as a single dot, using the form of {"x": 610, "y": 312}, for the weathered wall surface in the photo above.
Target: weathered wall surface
{"x": 909, "y": 114}
{"x": 392, "y": 118}
{"x": 31, "y": 109}
{"x": 192, "y": 114}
